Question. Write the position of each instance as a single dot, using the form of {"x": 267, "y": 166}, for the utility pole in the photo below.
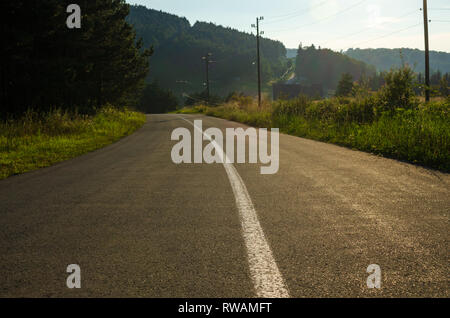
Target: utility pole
{"x": 427, "y": 52}
{"x": 206, "y": 59}
{"x": 258, "y": 57}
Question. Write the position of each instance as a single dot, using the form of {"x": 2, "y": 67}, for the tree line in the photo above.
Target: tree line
{"x": 177, "y": 63}
{"x": 46, "y": 65}
{"x": 324, "y": 66}
{"x": 439, "y": 83}
{"x": 385, "y": 59}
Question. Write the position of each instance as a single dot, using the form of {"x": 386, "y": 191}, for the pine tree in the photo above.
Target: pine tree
{"x": 345, "y": 85}
{"x": 44, "y": 64}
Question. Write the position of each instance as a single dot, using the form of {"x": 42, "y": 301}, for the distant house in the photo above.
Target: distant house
{"x": 290, "y": 91}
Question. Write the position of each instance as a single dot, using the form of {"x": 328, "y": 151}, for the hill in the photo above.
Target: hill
{"x": 178, "y": 49}
{"x": 384, "y": 59}
{"x": 324, "y": 66}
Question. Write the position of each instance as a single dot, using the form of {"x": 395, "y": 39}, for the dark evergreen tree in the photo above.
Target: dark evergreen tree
{"x": 345, "y": 85}
{"x": 324, "y": 66}
{"x": 44, "y": 64}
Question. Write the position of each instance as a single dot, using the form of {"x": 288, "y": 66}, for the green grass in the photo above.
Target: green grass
{"x": 419, "y": 135}
{"x": 36, "y": 141}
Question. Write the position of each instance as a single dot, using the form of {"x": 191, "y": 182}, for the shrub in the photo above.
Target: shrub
{"x": 419, "y": 135}
{"x": 294, "y": 107}
{"x": 240, "y": 100}
{"x": 398, "y": 92}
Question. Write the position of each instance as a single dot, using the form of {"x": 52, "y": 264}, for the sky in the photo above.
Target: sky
{"x": 335, "y": 24}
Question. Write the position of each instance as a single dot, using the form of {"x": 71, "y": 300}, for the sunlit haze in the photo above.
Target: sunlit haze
{"x": 335, "y": 24}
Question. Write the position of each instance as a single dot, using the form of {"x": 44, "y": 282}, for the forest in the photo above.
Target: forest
{"x": 45, "y": 65}
{"x": 324, "y": 66}
{"x": 385, "y": 59}
{"x": 179, "y": 47}
{"x": 135, "y": 56}
{"x": 66, "y": 91}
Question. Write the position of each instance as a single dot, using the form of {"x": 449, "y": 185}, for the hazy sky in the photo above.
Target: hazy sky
{"x": 335, "y": 24}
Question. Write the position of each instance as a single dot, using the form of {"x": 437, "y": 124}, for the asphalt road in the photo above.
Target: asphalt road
{"x": 141, "y": 226}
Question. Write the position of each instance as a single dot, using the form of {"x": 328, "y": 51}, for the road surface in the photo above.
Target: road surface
{"x": 141, "y": 226}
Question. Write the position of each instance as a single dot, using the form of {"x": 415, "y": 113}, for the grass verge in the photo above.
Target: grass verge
{"x": 36, "y": 141}
{"x": 420, "y": 135}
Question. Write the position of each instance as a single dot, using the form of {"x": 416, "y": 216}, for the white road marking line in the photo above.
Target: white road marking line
{"x": 266, "y": 276}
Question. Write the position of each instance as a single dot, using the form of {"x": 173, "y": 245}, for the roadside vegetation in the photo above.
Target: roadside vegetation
{"x": 38, "y": 140}
{"x": 58, "y": 83}
{"x": 393, "y": 121}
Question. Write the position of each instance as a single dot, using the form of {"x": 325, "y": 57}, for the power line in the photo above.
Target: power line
{"x": 371, "y": 27}
{"x": 296, "y": 11}
{"x": 199, "y": 100}
{"x": 296, "y": 14}
{"x": 321, "y": 20}
{"x": 389, "y": 34}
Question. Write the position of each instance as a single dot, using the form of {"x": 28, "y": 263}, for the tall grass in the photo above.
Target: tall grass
{"x": 40, "y": 140}
{"x": 416, "y": 132}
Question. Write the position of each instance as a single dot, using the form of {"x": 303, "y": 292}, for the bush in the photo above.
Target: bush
{"x": 324, "y": 110}
{"x": 398, "y": 92}
{"x": 241, "y": 100}
{"x": 363, "y": 109}
{"x": 294, "y": 107}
